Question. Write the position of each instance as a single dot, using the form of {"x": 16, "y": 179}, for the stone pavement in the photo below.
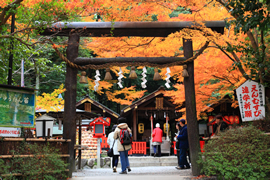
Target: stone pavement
{"x": 137, "y": 173}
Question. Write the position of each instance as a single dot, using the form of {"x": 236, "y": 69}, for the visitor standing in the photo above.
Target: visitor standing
{"x": 123, "y": 147}
{"x": 113, "y": 144}
{"x": 157, "y": 139}
{"x": 178, "y": 127}
{"x": 220, "y": 125}
{"x": 183, "y": 145}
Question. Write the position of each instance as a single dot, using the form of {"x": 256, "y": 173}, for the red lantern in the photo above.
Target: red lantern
{"x": 226, "y": 119}
{"x": 210, "y": 118}
{"x": 231, "y": 118}
{"x": 236, "y": 119}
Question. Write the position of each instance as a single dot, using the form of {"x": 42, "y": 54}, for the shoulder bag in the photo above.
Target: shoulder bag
{"x": 110, "y": 151}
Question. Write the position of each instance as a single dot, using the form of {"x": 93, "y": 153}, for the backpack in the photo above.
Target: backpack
{"x": 125, "y": 137}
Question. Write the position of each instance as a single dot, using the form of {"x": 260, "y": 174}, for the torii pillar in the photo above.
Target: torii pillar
{"x": 69, "y": 123}
{"x": 190, "y": 101}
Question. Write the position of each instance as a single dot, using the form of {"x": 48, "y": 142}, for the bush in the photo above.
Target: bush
{"x": 241, "y": 153}
{"x": 44, "y": 163}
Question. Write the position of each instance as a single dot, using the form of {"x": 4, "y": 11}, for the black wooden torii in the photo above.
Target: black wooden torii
{"x": 75, "y": 30}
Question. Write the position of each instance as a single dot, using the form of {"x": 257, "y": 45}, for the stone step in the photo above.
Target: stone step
{"x": 143, "y": 161}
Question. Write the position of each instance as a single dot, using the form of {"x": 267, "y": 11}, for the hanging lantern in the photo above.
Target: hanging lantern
{"x": 141, "y": 128}
{"x": 210, "y": 118}
{"x": 157, "y": 77}
{"x": 231, "y": 119}
{"x": 185, "y": 72}
{"x": 83, "y": 79}
{"x": 108, "y": 75}
{"x": 166, "y": 128}
{"x": 132, "y": 74}
{"x": 236, "y": 119}
{"x": 226, "y": 119}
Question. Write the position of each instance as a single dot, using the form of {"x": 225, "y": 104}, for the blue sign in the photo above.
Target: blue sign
{"x": 17, "y": 107}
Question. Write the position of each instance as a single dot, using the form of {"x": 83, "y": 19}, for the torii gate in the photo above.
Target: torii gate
{"x": 75, "y": 30}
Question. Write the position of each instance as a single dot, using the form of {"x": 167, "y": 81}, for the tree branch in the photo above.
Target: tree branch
{"x": 220, "y": 48}
{"x": 240, "y": 67}
{"x": 3, "y": 16}
{"x": 252, "y": 39}
{"x": 223, "y": 78}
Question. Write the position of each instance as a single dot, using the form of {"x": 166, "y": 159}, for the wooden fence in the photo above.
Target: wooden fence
{"x": 138, "y": 147}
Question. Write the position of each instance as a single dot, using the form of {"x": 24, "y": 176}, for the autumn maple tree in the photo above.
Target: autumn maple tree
{"x": 241, "y": 53}
{"x": 230, "y": 59}
{"x": 51, "y": 101}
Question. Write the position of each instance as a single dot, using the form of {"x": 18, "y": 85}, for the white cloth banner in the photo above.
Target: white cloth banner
{"x": 251, "y": 100}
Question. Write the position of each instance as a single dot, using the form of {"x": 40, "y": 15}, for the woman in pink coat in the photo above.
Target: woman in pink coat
{"x": 157, "y": 139}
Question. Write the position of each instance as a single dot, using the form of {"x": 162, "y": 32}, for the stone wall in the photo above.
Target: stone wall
{"x": 105, "y": 162}
{"x": 90, "y": 142}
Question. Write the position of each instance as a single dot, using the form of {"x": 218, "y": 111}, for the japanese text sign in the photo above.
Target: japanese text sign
{"x": 17, "y": 107}
{"x": 10, "y": 132}
{"x": 251, "y": 100}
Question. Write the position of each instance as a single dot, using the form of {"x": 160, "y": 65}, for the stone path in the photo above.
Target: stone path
{"x": 138, "y": 173}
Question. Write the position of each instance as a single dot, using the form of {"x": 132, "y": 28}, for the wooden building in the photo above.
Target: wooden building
{"x": 231, "y": 115}
{"x": 154, "y": 105}
{"x": 89, "y": 105}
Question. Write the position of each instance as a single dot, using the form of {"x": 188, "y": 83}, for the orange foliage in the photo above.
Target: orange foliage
{"x": 211, "y": 65}
{"x": 130, "y": 95}
{"x": 51, "y": 102}
{"x": 213, "y": 69}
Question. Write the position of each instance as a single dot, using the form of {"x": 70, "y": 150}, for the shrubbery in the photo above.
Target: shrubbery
{"x": 240, "y": 153}
{"x": 44, "y": 163}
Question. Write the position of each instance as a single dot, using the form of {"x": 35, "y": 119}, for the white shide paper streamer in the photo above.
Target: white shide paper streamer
{"x": 97, "y": 79}
{"x": 167, "y": 84}
{"x": 143, "y": 83}
{"x": 120, "y": 77}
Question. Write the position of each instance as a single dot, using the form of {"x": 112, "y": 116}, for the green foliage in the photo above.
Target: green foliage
{"x": 241, "y": 153}
{"x": 252, "y": 18}
{"x": 256, "y": 18}
{"x": 179, "y": 10}
{"x": 30, "y": 19}
{"x": 45, "y": 163}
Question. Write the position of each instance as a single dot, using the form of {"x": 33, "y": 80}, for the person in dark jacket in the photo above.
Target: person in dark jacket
{"x": 220, "y": 125}
{"x": 183, "y": 145}
{"x": 178, "y": 127}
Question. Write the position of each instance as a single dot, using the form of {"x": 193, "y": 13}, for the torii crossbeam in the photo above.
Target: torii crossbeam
{"x": 75, "y": 30}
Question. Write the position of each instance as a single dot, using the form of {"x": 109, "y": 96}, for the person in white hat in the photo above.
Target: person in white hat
{"x": 157, "y": 139}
